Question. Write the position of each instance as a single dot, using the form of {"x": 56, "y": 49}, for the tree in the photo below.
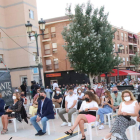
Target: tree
{"x": 89, "y": 41}
{"x": 136, "y": 61}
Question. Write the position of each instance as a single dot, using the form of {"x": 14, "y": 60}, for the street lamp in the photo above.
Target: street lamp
{"x": 29, "y": 31}
{"x": 120, "y": 48}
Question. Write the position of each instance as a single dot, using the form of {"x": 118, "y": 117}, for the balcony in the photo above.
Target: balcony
{"x": 132, "y": 52}
{"x": 129, "y": 64}
{"x": 49, "y": 67}
{"x": 56, "y": 66}
{"x": 131, "y": 40}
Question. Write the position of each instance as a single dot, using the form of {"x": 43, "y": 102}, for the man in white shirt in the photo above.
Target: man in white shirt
{"x": 70, "y": 107}
{"x": 55, "y": 85}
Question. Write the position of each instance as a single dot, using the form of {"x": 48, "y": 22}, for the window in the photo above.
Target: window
{"x": 1, "y": 56}
{"x": 36, "y": 78}
{"x": 48, "y": 64}
{"x": 122, "y": 37}
{"x": 35, "y": 54}
{"x": 24, "y": 78}
{"x": 118, "y": 35}
{"x": 56, "y": 65}
{"x": 123, "y": 61}
{"x": 126, "y": 49}
{"x": 47, "y": 49}
{"x": 54, "y": 46}
{"x": 52, "y": 29}
{"x": 46, "y": 32}
{"x": 125, "y": 37}
{"x": 31, "y": 14}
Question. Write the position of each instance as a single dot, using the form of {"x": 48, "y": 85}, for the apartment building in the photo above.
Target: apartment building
{"x": 57, "y": 67}
{"x": 18, "y": 57}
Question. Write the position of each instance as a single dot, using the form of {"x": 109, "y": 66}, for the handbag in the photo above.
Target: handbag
{"x": 93, "y": 113}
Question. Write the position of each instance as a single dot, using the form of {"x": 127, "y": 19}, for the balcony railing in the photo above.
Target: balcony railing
{"x": 56, "y": 66}
{"x": 131, "y": 40}
{"x": 132, "y": 52}
{"x": 49, "y": 67}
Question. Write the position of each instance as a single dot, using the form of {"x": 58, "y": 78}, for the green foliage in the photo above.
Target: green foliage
{"x": 136, "y": 61}
{"x": 89, "y": 40}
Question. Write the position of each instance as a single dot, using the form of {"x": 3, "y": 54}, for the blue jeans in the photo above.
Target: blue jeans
{"x": 101, "y": 111}
{"x": 36, "y": 126}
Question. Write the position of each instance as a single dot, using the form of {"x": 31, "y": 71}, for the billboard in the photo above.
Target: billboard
{"x": 6, "y": 87}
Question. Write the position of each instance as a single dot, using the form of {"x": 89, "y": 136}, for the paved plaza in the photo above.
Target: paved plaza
{"x": 28, "y": 133}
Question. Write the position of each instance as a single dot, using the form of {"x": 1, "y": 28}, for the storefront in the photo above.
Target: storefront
{"x": 65, "y": 77}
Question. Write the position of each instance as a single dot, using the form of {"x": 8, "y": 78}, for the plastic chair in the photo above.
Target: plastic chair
{"x": 48, "y": 126}
{"x": 108, "y": 116}
{"x": 15, "y": 124}
{"x": 75, "y": 114}
{"x": 131, "y": 132}
{"x": 89, "y": 129}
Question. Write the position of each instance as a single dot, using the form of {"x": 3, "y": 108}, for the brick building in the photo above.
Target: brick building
{"x": 57, "y": 67}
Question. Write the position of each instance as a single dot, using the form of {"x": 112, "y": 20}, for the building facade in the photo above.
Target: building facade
{"x": 16, "y": 49}
{"x": 56, "y": 66}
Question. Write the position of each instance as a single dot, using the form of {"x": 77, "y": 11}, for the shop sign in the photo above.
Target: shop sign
{"x": 53, "y": 75}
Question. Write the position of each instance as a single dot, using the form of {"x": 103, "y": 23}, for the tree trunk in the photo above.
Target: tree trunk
{"x": 91, "y": 80}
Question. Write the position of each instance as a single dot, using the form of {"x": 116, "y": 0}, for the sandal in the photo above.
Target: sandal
{"x": 106, "y": 139}
{"x": 68, "y": 133}
{"x": 4, "y": 131}
{"x": 84, "y": 138}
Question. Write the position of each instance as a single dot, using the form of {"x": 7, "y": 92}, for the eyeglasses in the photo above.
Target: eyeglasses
{"x": 115, "y": 99}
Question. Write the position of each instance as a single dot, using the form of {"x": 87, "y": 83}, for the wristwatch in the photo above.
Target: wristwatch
{"x": 88, "y": 109}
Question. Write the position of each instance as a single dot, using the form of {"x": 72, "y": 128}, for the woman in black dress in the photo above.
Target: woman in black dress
{"x": 12, "y": 112}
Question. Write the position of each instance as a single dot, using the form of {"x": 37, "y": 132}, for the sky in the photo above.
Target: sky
{"x": 122, "y": 13}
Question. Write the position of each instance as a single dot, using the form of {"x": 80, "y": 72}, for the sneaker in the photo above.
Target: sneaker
{"x": 101, "y": 127}
{"x": 69, "y": 124}
{"x": 96, "y": 123}
{"x": 64, "y": 124}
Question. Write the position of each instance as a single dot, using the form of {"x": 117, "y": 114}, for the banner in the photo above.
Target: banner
{"x": 6, "y": 88}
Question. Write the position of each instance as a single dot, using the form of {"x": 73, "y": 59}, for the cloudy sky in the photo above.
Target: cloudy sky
{"x": 122, "y": 13}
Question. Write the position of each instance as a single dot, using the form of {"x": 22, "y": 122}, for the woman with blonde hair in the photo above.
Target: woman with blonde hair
{"x": 15, "y": 107}
{"x": 127, "y": 115}
{"x": 107, "y": 105}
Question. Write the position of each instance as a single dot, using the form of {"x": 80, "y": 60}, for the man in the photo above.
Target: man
{"x": 83, "y": 88}
{"x": 126, "y": 81}
{"x": 23, "y": 88}
{"x": 55, "y": 85}
{"x": 70, "y": 107}
{"x": 75, "y": 89}
{"x": 116, "y": 98}
{"x": 57, "y": 99}
{"x": 48, "y": 92}
{"x": 44, "y": 113}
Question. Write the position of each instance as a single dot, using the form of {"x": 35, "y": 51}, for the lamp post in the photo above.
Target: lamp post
{"x": 29, "y": 31}
{"x": 120, "y": 48}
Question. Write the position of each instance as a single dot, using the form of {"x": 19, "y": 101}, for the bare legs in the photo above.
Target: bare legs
{"x": 108, "y": 136}
{"x": 81, "y": 119}
{"x": 5, "y": 119}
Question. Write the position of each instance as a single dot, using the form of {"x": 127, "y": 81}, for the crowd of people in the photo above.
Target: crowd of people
{"x": 90, "y": 103}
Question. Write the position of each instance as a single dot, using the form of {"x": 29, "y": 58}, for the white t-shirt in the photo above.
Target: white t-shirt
{"x": 70, "y": 100}
{"x": 66, "y": 93}
{"x": 81, "y": 96}
{"x": 88, "y": 105}
{"x": 55, "y": 85}
{"x": 75, "y": 91}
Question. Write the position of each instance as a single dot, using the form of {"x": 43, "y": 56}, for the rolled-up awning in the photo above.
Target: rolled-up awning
{"x": 130, "y": 36}
{"x": 135, "y": 36}
{"x": 129, "y": 72}
{"x": 115, "y": 73}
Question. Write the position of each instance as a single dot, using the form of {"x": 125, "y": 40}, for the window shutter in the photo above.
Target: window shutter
{"x": 48, "y": 62}
{"x": 52, "y": 29}
{"x": 54, "y": 45}
{"x": 47, "y": 46}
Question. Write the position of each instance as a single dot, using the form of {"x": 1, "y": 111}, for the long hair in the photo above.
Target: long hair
{"x": 92, "y": 97}
{"x": 130, "y": 93}
{"x": 108, "y": 94}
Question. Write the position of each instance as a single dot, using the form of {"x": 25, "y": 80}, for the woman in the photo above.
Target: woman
{"x": 127, "y": 115}
{"x": 93, "y": 91}
{"x": 87, "y": 113}
{"x": 107, "y": 105}
{"x": 16, "y": 107}
{"x": 81, "y": 97}
{"x": 80, "y": 94}
{"x": 2, "y": 103}
{"x": 34, "y": 107}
